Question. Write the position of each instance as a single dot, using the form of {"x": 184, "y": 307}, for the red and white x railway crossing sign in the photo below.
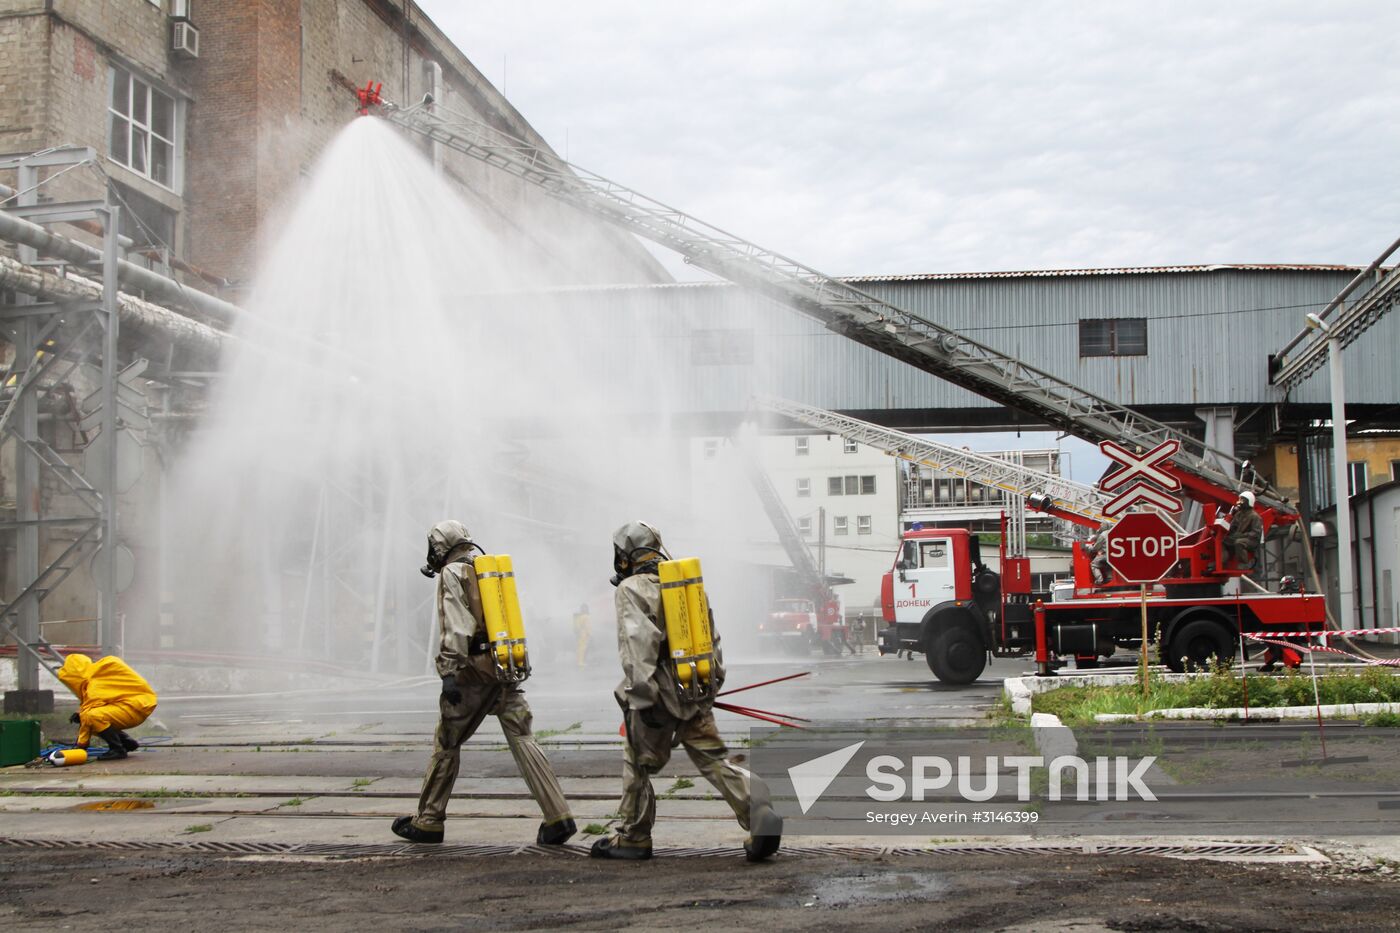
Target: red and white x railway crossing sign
{"x": 1138, "y": 477}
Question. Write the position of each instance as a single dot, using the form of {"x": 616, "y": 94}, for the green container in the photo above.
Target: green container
{"x": 19, "y": 741}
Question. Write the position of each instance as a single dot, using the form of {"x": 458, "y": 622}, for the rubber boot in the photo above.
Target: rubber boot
{"x": 115, "y": 747}
{"x": 612, "y": 849}
{"x": 128, "y": 742}
{"x": 404, "y": 828}
{"x": 767, "y": 828}
{"x": 556, "y": 833}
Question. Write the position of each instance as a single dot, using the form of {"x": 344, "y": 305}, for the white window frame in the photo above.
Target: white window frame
{"x": 804, "y": 487}
{"x": 849, "y": 445}
{"x": 863, "y": 524}
{"x": 1356, "y": 470}
{"x": 710, "y": 447}
{"x": 804, "y": 526}
{"x": 865, "y": 477}
{"x": 833, "y": 485}
{"x": 803, "y": 445}
{"x": 175, "y": 140}
{"x": 840, "y": 525}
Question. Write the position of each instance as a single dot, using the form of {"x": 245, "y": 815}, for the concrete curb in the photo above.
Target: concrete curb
{"x": 1329, "y": 711}
{"x": 1053, "y": 738}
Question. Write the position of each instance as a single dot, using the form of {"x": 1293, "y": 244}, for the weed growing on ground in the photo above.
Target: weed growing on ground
{"x": 199, "y": 828}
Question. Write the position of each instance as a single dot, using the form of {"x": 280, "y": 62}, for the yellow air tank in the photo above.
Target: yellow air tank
{"x": 675, "y": 607}
{"x": 488, "y": 578}
{"x": 69, "y": 756}
{"x": 515, "y": 621}
{"x": 698, "y": 613}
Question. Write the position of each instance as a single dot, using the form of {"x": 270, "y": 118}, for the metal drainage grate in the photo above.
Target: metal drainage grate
{"x": 406, "y": 850}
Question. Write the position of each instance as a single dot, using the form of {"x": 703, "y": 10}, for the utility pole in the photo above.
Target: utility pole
{"x": 1346, "y": 586}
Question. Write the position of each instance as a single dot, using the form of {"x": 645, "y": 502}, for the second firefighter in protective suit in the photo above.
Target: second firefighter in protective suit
{"x": 112, "y": 698}
{"x": 658, "y": 717}
{"x": 470, "y": 692}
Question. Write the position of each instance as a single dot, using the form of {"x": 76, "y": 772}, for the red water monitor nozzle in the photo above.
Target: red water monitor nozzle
{"x": 369, "y": 97}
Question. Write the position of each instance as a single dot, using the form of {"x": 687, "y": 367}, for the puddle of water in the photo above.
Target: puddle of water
{"x": 876, "y": 888}
{"x": 124, "y": 804}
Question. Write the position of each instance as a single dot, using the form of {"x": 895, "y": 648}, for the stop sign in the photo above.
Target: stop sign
{"x": 1142, "y": 547}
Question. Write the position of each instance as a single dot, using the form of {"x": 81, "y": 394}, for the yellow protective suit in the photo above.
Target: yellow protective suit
{"x": 110, "y": 694}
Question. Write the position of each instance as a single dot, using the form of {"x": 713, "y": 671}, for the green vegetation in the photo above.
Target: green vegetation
{"x": 1388, "y": 720}
{"x": 294, "y": 802}
{"x": 199, "y": 828}
{"x": 551, "y": 733}
{"x": 680, "y": 784}
{"x": 361, "y": 783}
{"x": 594, "y": 829}
{"x": 1222, "y": 689}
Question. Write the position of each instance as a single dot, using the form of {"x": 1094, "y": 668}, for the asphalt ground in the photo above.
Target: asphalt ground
{"x": 284, "y": 798}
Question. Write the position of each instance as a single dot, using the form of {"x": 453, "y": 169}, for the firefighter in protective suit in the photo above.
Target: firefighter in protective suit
{"x": 658, "y": 717}
{"x": 1246, "y": 531}
{"x": 471, "y": 692}
{"x": 112, "y": 697}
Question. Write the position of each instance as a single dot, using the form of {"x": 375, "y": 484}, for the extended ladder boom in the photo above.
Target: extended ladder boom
{"x": 788, "y": 534}
{"x": 842, "y": 308}
{"x": 1068, "y": 496}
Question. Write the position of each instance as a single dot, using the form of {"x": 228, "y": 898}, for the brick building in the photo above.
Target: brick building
{"x": 204, "y": 140}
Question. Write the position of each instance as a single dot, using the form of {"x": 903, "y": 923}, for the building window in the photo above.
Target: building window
{"x": 804, "y": 488}
{"x": 721, "y": 347}
{"x": 833, "y": 486}
{"x": 1356, "y": 477}
{"x": 804, "y": 527}
{"x": 803, "y": 446}
{"x": 1124, "y": 336}
{"x": 862, "y": 524}
{"x": 867, "y": 485}
{"x": 149, "y": 223}
{"x": 853, "y": 485}
{"x": 711, "y": 447}
{"x": 839, "y": 525}
{"x": 848, "y": 446}
{"x": 142, "y": 127}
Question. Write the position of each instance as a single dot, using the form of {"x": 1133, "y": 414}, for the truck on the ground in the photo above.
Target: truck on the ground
{"x": 942, "y": 599}
{"x": 796, "y": 627}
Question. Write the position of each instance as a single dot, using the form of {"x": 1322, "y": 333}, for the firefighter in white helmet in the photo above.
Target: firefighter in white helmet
{"x": 658, "y": 717}
{"x": 471, "y": 692}
{"x": 1246, "y": 531}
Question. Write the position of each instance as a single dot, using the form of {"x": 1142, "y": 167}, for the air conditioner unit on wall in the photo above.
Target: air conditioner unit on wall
{"x": 184, "y": 40}
{"x": 180, "y": 9}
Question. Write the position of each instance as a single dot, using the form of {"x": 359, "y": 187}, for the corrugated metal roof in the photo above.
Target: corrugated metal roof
{"x": 1124, "y": 270}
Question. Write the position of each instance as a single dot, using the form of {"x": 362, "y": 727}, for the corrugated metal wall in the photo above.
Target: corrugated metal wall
{"x": 1209, "y": 336}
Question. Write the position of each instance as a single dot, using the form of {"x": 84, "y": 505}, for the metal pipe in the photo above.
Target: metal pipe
{"x": 1346, "y": 595}
{"x": 18, "y": 230}
{"x": 141, "y": 316}
{"x": 1341, "y": 296}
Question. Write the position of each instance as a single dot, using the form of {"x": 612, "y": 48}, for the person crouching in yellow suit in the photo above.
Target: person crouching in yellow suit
{"x": 112, "y": 697}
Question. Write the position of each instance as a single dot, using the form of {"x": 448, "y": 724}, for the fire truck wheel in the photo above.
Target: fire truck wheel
{"x": 955, "y": 654}
{"x": 1197, "y": 643}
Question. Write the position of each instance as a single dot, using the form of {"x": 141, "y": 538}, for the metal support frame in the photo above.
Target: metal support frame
{"x": 37, "y": 331}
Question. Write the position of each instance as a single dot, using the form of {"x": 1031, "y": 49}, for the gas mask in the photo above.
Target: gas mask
{"x": 637, "y": 549}
{"x": 437, "y": 556}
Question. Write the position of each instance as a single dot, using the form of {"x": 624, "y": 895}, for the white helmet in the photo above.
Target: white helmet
{"x": 1247, "y": 497}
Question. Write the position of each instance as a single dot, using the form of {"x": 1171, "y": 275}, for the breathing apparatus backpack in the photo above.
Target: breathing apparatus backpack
{"x": 505, "y": 626}
{"x": 689, "y": 632}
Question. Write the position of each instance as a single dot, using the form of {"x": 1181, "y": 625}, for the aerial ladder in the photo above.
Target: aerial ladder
{"x": 1210, "y": 477}
{"x": 810, "y": 576}
{"x": 840, "y": 306}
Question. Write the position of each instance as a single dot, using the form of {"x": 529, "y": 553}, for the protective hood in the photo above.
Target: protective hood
{"x": 74, "y": 673}
{"x": 636, "y": 548}
{"x": 443, "y": 539}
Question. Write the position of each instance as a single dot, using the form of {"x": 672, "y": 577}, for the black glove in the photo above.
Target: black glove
{"x": 75, "y": 719}
{"x": 450, "y": 691}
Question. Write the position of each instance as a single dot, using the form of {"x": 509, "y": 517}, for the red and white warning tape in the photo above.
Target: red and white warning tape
{"x": 1379, "y": 662}
{"x": 1321, "y": 634}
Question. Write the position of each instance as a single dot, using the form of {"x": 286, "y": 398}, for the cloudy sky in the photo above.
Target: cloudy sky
{"x": 895, "y": 137}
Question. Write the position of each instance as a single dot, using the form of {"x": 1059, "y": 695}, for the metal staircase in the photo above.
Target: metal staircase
{"x": 844, "y": 309}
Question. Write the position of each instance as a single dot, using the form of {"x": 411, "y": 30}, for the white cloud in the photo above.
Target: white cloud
{"x": 919, "y": 137}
